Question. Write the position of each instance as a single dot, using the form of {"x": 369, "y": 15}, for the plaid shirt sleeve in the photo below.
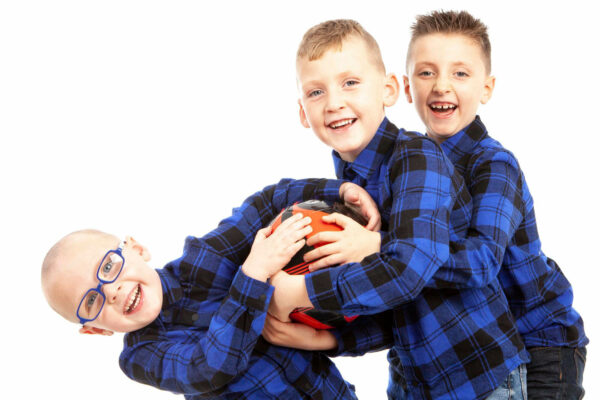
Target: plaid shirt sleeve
{"x": 498, "y": 208}
{"x": 154, "y": 356}
{"x": 475, "y": 261}
{"x": 234, "y": 236}
{"x": 420, "y": 189}
{"x": 365, "y": 334}
{"x": 221, "y": 353}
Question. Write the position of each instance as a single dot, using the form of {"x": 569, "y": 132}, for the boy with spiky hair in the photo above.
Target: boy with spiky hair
{"x": 453, "y": 342}
{"x": 448, "y": 69}
{"x": 448, "y": 75}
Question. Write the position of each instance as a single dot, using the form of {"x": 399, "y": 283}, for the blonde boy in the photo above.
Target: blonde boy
{"x": 448, "y": 75}
{"x": 451, "y": 343}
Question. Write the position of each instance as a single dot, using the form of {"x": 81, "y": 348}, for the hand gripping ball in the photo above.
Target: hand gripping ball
{"x": 315, "y": 209}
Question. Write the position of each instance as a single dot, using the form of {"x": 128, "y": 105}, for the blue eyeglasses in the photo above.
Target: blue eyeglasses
{"x": 109, "y": 270}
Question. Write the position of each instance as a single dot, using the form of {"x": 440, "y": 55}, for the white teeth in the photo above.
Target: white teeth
{"x": 133, "y": 300}
{"x": 341, "y": 123}
{"x": 443, "y": 107}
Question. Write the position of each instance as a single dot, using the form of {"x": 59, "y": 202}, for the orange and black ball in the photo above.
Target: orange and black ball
{"x": 316, "y": 210}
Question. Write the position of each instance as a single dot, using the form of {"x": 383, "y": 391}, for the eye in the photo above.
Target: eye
{"x": 462, "y": 74}
{"x": 425, "y": 74}
{"x": 315, "y": 93}
{"x": 351, "y": 82}
{"x": 107, "y": 267}
{"x": 91, "y": 300}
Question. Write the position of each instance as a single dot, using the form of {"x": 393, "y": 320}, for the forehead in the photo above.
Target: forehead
{"x": 438, "y": 48}
{"x": 77, "y": 266}
{"x": 354, "y": 56}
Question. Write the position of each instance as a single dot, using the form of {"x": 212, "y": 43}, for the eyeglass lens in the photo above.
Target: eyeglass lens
{"x": 110, "y": 267}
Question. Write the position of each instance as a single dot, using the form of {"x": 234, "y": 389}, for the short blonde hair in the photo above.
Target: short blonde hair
{"x": 331, "y": 35}
{"x": 453, "y": 22}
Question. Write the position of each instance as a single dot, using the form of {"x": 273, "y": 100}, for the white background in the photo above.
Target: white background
{"x": 155, "y": 118}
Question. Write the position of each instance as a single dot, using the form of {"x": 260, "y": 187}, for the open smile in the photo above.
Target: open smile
{"x": 341, "y": 123}
{"x": 442, "y": 109}
{"x": 134, "y": 301}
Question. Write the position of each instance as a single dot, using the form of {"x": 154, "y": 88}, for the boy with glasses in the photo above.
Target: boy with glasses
{"x": 194, "y": 326}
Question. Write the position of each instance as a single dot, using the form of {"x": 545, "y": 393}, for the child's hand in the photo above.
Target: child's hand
{"x": 271, "y": 251}
{"x": 357, "y": 197}
{"x": 350, "y": 245}
{"x": 297, "y": 336}
{"x": 290, "y": 293}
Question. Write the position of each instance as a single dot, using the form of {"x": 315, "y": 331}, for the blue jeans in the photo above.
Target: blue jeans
{"x": 556, "y": 373}
{"x": 513, "y": 388}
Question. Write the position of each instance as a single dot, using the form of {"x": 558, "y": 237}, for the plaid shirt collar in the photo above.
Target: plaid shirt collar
{"x": 370, "y": 159}
{"x": 463, "y": 142}
{"x": 172, "y": 290}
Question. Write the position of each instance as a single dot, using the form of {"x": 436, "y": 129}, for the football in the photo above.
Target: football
{"x": 315, "y": 209}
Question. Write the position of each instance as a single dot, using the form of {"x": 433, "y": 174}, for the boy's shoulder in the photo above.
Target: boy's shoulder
{"x": 404, "y": 139}
{"x": 481, "y": 148}
{"x": 491, "y": 150}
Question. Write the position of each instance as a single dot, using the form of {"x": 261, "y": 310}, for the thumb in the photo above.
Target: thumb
{"x": 351, "y": 196}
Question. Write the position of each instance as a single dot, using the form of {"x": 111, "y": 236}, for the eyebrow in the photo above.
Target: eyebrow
{"x": 432, "y": 64}
{"x": 343, "y": 74}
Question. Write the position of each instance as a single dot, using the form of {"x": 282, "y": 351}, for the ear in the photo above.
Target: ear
{"x": 407, "y": 89}
{"x": 391, "y": 90}
{"x": 303, "y": 119}
{"x": 137, "y": 248}
{"x": 488, "y": 88}
{"x": 90, "y": 330}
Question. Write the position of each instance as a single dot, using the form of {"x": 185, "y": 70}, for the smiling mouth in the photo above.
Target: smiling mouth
{"x": 443, "y": 109}
{"x": 135, "y": 298}
{"x": 342, "y": 123}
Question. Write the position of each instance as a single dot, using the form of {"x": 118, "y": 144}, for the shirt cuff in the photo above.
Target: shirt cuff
{"x": 386, "y": 237}
{"x": 320, "y": 289}
{"x": 340, "y": 347}
{"x": 250, "y": 292}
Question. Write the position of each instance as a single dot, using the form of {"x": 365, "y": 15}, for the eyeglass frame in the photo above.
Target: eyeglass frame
{"x": 119, "y": 252}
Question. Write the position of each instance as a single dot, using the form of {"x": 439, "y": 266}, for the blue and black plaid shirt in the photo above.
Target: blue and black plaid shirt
{"x": 539, "y": 295}
{"x": 456, "y": 344}
{"x": 206, "y": 341}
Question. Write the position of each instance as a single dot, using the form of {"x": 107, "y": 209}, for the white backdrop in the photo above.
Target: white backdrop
{"x": 155, "y": 118}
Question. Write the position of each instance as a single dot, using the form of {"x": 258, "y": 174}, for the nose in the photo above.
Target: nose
{"x": 111, "y": 291}
{"x": 442, "y": 84}
{"x": 335, "y": 101}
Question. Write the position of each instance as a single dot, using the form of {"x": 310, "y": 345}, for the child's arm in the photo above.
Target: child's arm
{"x": 474, "y": 261}
{"x": 205, "y": 358}
{"x": 297, "y": 335}
{"x": 365, "y": 334}
{"x": 416, "y": 245}
{"x": 235, "y": 234}
{"x": 222, "y": 353}
{"x": 498, "y": 209}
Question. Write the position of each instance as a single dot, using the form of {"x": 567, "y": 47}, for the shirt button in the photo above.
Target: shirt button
{"x": 262, "y": 297}
{"x": 195, "y": 317}
{"x": 167, "y": 313}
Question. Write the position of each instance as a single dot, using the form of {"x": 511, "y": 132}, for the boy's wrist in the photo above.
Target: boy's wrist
{"x": 375, "y": 242}
{"x": 254, "y": 272}
{"x": 250, "y": 293}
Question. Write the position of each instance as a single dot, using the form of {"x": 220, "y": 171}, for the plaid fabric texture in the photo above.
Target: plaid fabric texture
{"x": 454, "y": 344}
{"x": 206, "y": 341}
{"x": 539, "y": 295}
